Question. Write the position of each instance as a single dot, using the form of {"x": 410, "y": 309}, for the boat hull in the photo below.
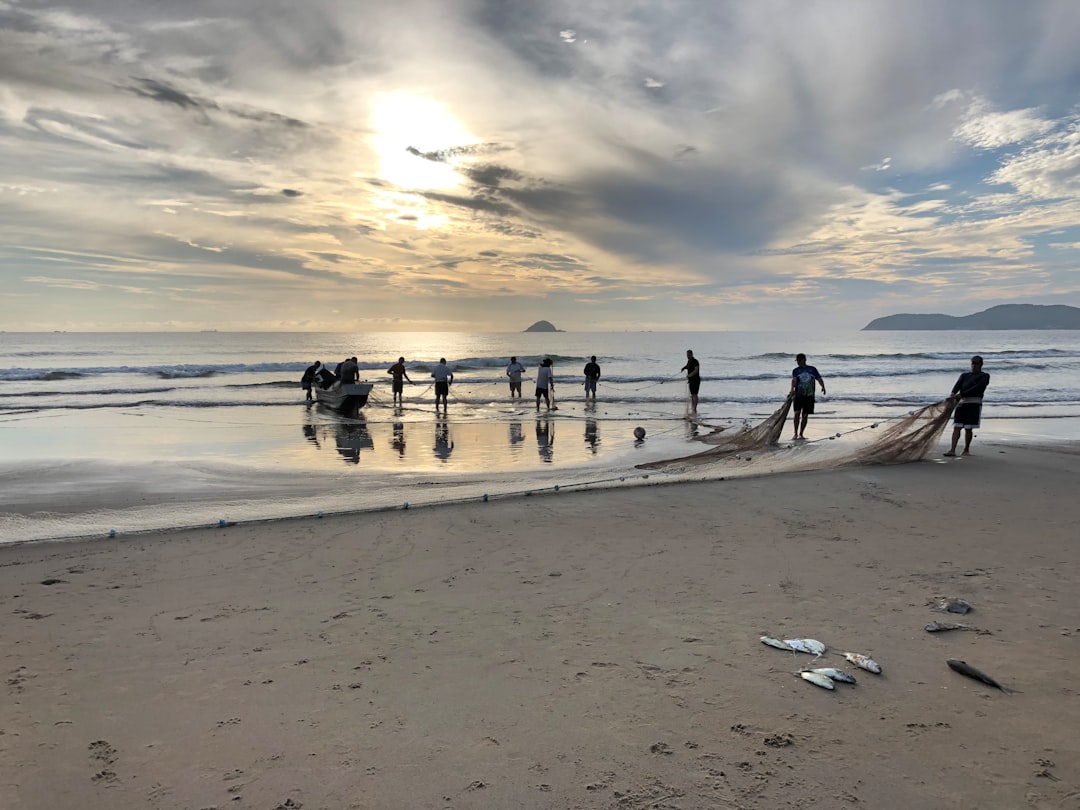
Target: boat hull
{"x": 343, "y": 397}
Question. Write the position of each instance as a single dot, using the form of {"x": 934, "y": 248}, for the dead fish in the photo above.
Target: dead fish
{"x": 941, "y": 627}
{"x": 864, "y": 661}
{"x": 964, "y": 668}
{"x": 817, "y": 679}
{"x": 834, "y": 674}
{"x": 809, "y": 646}
{"x": 954, "y": 606}
{"x": 775, "y": 642}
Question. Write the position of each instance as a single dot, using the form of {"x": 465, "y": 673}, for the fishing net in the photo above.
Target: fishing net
{"x": 759, "y": 437}
{"x": 909, "y": 438}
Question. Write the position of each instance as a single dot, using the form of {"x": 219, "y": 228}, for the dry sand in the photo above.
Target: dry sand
{"x": 572, "y": 650}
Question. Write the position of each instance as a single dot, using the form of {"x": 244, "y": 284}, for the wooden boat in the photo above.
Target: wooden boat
{"x": 343, "y": 397}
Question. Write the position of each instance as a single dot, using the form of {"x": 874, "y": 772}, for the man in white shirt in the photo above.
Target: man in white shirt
{"x": 443, "y": 377}
{"x": 514, "y": 372}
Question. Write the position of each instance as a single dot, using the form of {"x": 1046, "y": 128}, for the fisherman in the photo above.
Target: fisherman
{"x": 545, "y": 380}
{"x": 309, "y": 378}
{"x": 592, "y": 374}
{"x": 397, "y": 385}
{"x": 969, "y": 389}
{"x": 693, "y": 378}
{"x": 350, "y": 371}
{"x": 803, "y": 381}
{"x": 443, "y": 377}
{"x": 514, "y": 372}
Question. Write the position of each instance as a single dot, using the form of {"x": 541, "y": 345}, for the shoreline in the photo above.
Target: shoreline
{"x": 597, "y": 651}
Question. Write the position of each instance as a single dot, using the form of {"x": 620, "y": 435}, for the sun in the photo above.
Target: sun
{"x": 400, "y": 121}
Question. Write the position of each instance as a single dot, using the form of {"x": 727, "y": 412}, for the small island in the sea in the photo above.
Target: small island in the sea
{"x": 1005, "y": 316}
{"x": 543, "y": 326}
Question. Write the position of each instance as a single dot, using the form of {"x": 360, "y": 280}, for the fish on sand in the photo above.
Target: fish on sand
{"x": 864, "y": 662}
{"x": 775, "y": 642}
{"x": 964, "y": 668}
{"x": 817, "y": 679}
{"x": 834, "y": 674}
{"x": 940, "y": 627}
{"x": 809, "y": 646}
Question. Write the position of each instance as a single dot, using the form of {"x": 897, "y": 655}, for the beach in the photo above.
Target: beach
{"x": 574, "y": 649}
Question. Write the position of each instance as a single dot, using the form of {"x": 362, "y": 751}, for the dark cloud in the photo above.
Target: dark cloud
{"x": 291, "y": 192}
{"x": 167, "y": 94}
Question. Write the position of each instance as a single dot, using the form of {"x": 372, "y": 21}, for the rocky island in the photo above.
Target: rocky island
{"x": 1005, "y": 316}
{"x": 543, "y": 326}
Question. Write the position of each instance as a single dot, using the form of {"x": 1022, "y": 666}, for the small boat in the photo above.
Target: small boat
{"x": 343, "y": 396}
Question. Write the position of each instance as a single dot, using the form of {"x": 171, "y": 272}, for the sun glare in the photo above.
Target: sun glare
{"x": 402, "y": 121}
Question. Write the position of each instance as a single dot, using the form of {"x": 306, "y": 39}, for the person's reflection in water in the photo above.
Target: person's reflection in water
{"x": 398, "y": 442}
{"x": 517, "y": 435}
{"x": 444, "y": 445}
{"x": 592, "y": 435}
{"x": 545, "y": 440}
{"x": 311, "y": 434}
{"x": 352, "y": 437}
{"x": 692, "y": 429}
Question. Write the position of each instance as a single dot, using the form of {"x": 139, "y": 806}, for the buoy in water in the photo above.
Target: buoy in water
{"x": 639, "y": 433}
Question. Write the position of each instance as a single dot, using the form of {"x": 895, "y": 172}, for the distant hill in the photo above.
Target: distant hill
{"x": 543, "y": 326}
{"x": 1006, "y": 316}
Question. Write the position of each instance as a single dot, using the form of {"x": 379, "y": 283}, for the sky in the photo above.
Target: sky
{"x": 478, "y": 165}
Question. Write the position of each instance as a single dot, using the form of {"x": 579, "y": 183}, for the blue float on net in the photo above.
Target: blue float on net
{"x": 485, "y": 497}
{"x": 112, "y": 532}
{"x": 320, "y": 514}
{"x": 405, "y": 505}
{"x": 556, "y": 487}
{"x": 221, "y": 523}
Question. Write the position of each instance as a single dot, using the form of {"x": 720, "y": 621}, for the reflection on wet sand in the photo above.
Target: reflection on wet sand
{"x": 398, "y": 440}
{"x": 545, "y": 439}
{"x": 348, "y": 438}
{"x": 592, "y": 435}
{"x": 517, "y": 433}
{"x": 444, "y": 445}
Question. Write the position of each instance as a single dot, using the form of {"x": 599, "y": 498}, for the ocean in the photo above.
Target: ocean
{"x": 105, "y": 434}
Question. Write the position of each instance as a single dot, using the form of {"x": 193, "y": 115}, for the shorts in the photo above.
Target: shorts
{"x": 967, "y": 416}
{"x": 695, "y": 385}
{"x": 442, "y": 388}
{"x": 590, "y": 386}
{"x": 515, "y": 385}
{"x": 397, "y": 386}
{"x": 306, "y": 386}
{"x": 541, "y": 392}
{"x": 803, "y": 405}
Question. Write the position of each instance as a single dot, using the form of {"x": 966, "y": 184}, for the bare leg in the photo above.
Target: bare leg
{"x": 955, "y": 439}
{"x": 968, "y": 435}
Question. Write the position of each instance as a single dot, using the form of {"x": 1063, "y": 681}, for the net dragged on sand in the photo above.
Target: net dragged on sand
{"x": 908, "y": 439}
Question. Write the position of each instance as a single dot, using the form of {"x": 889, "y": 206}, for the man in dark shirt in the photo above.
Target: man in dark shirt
{"x": 309, "y": 377}
{"x": 969, "y": 389}
{"x": 693, "y": 377}
{"x": 592, "y": 374}
{"x": 350, "y": 371}
{"x": 398, "y": 383}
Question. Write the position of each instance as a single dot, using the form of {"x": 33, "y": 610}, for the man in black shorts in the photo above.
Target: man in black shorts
{"x": 804, "y": 378}
{"x": 969, "y": 390}
{"x": 693, "y": 377}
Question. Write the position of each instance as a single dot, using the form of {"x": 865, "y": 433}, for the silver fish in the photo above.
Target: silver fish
{"x": 834, "y": 674}
{"x": 864, "y": 661}
{"x": 940, "y": 627}
{"x": 964, "y": 668}
{"x": 817, "y": 679}
{"x": 775, "y": 642}
{"x": 809, "y": 646}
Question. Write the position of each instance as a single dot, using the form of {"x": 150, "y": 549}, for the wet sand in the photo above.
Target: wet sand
{"x": 569, "y": 650}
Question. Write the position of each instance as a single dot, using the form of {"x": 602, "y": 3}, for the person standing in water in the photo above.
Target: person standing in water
{"x": 592, "y": 374}
{"x": 969, "y": 390}
{"x": 309, "y": 377}
{"x": 397, "y": 384}
{"x": 443, "y": 377}
{"x": 545, "y": 380}
{"x": 804, "y": 378}
{"x": 693, "y": 378}
{"x": 514, "y": 372}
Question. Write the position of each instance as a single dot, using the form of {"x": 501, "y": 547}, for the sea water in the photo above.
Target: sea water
{"x": 154, "y": 430}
